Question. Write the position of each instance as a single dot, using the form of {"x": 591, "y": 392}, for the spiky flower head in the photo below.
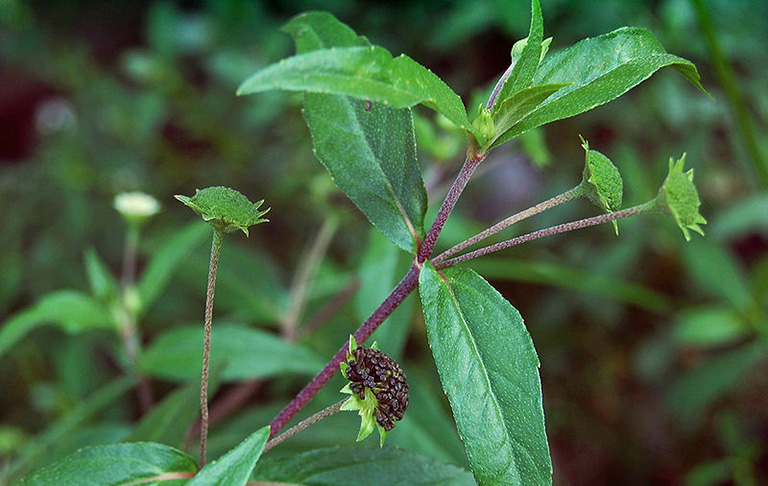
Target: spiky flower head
{"x": 225, "y": 209}
{"x": 378, "y": 389}
{"x": 678, "y": 197}
{"x": 602, "y": 181}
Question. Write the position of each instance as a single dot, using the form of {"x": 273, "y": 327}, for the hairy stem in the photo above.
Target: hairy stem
{"x": 527, "y": 213}
{"x": 499, "y": 85}
{"x": 561, "y": 228}
{"x": 324, "y": 413}
{"x": 218, "y": 237}
{"x": 425, "y": 250}
{"x": 395, "y": 298}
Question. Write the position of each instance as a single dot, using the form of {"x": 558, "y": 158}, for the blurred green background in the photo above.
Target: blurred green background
{"x": 653, "y": 350}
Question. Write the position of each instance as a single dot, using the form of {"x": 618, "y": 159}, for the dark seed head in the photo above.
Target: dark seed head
{"x": 374, "y": 370}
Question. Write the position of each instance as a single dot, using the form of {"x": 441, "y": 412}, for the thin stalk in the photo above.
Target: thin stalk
{"x": 129, "y": 329}
{"x": 322, "y": 414}
{"x": 304, "y": 277}
{"x": 527, "y": 213}
{"x": 561, "y": 228}
{"x": 218, "y": 238}
{"x": 129, "y": 256}
{"x": 395, "y": 298}
{"x": 728, "y": 81}
{"x": 425, "y": 250}
{"x": 499, "y": 85}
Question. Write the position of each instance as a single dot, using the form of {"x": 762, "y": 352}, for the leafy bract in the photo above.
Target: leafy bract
{"x": 137, "y": 463}
{"x": 354, "y": 466}
{"x": 225, "y": 209}
{"x": 234, "y": 468}
{"x": 599, "y": 70}
{"x": 72, "y": 311}
{"x": 243, "y": 352}
{"x": 103, "y": 284}
{"x": 490, "y": 372}
{"x": 368, "y": 148}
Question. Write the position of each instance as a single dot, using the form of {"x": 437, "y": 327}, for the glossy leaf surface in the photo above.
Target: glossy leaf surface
{"x": 234, "y": 468}
{"x": 600, "y": 69}
{"x": 490, "y": 372}
{"x": 353, "y": 466}
{"x": 137, "y": 463}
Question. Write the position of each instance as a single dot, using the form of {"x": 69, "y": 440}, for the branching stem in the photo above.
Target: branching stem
{"x": 218, "y": 237}
{"x": 527, "y": 213}
{"x": 561, "y": 228}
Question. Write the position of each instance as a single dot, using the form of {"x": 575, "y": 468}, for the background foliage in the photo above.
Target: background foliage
{"x": 653, "y": 351}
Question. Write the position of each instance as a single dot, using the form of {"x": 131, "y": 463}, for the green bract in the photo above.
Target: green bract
{"x": 679, "y": 198}
{"x": 225, "y": 209}
{"x": 602, "y": 181}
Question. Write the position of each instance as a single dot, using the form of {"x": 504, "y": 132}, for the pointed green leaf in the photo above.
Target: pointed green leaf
{"x": 678, "y": 197}
{"x": 528, "y": 62}
{"x": 167, "y": 259}
{"x": 72, "y": 311}
{"x": 320, "y": 30}
{"x": 377, "y": 168}
{"x": 357, "y": 466}
{"x": 366, "y": 73}
{"x": 140, "y": 463}
{"x": 35, "y": 452}
{"x": 490, "y": 372}
{"x": 600, "y": 69}
{"x": 225, "y": 209}
{"x": 370, "y": 151}
{"x": 234, "y": 468}
{"x": 103, "y": 284}
{"x": 243, "y": 352}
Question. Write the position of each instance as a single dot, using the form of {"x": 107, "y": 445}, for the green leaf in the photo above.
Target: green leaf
{"x": 72, "y": 311}
{"x": 234, "y": 468}
{"x": 66, "y": 426}
{"x": 320, "y": 30}
{"x": 375, "y": 166}
{"x": 244, "y": 353}
{"x": 168, "y": 422}
{"x": 701, "y": 385}
{"x": 366, "y": 73}
{"x": 146, "y": 464}
{"x": 602, "y": 181}
{"x": 511, "y": 110}
{"x": 679, "y": 198}
{"x": 167, "y": 260}
{"x": 528, "y": 62}
{"x": 709, "y": 326}
{"x": 715, "y": 271}
{"x": 355, "y": 466}
{"x": 103, "y": 284}
{"x": 600, "y": 69}
{"x": 490, "y": 372}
